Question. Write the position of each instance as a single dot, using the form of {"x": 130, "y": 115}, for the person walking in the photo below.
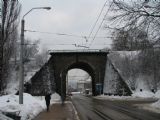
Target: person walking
{"x": 48, "y": 98}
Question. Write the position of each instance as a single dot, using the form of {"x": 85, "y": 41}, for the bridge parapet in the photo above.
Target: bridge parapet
{"x": 79, "y": 51}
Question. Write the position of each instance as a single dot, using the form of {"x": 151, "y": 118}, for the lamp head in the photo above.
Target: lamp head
{"x": 47, "y": 8}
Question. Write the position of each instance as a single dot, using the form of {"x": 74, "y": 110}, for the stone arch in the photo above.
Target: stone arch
{"x": 80, "y": 65}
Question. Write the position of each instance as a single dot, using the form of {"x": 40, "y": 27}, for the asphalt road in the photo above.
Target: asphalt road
{"x": 89, "y": 108}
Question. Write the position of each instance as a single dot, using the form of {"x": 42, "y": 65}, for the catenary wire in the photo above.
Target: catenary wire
{"x": 100, "y": 25}
{"x": 65, "y": 34}
{"x": 97, "y": 19}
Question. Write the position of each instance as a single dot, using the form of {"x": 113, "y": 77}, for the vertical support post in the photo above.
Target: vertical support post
{"x": 100, "y": 83}
{"x": 62, "y": 95}
{"x": 67, "y": 83}
{"x": 1, "y": 45}
{"x": 155, "y": 67}
{"x": 21, "y": 81}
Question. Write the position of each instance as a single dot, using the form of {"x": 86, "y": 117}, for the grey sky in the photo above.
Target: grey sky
{"x": 67, "y": 16}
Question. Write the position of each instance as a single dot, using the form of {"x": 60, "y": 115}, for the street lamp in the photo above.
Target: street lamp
{"x": 21, "y": 81}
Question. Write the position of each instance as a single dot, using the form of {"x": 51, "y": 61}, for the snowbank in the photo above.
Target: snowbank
{"x": 135, "y": 96}
{"x": 112, "y": 97}
{"x": 3, "y": 117}
{"x": 157, "y": 104}
{"x": 143, "y": 94}
{"x": 157, "y": 94}
{"x": 31, "y": 107}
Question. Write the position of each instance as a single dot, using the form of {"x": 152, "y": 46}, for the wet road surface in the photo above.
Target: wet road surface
{"x": 89, "y": 108}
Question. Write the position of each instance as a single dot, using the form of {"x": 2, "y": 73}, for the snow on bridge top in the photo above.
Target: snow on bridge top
{"x": 79, "y": 51}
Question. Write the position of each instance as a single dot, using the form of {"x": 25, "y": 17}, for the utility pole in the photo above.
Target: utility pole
{"x": 21, "y": 86}
{"x": 155, "y": 49}
{"x": 1, "y": 46}
{"x": 21, "y": 81}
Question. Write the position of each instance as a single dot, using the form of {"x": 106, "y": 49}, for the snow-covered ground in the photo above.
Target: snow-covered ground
{"x": 31, "y": 107}
{"x": 144, "y": 95}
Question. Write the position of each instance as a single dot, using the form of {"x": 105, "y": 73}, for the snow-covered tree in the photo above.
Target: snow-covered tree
{"x": 133, "y": 39}
{"x": 42, "y": 57}
{"x": 9, "y": 16}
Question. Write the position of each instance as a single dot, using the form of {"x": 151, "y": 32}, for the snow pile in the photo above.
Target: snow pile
{"x": 13, "y": 82}
{"x": 3, "y": 117}
{"x": 157, "y": 94}
{"x": 112, "y": 97}
{"x": 12, "y": 87}
{"x": 157, "y": 104}
{"x": 30, "y": 108}
{"x": 143, "y": 94}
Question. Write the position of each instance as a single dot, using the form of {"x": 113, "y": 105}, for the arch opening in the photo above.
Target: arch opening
{"x": 83, "y": 66}
{"x": 78, "y": 81}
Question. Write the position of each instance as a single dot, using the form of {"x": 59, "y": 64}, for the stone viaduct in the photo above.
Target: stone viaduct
{"x": 52, "y": 76}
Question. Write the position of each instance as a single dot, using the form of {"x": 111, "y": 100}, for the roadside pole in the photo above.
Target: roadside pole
{"x": 21, "y": 87}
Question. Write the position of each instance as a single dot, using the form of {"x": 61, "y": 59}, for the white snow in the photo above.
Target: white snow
{"x": 157, "y": 94}
{"x": 3, "y": 117}
{"x": 31, "y": 107}
{"x": 143, "y": 94}
{"x": 131, "y": 54}
{"x": 157, "y": 104}
{"x": 12, "y": 87}
{"x": 74, "y": 93}
{"x": 124, "y": 62}
{"x": 112, "y": 97}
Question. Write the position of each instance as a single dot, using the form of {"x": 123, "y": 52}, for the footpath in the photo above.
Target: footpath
{"x": 59, "y": 112}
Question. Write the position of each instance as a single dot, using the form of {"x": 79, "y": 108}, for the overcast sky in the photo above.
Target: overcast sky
{"x": 73, "y": 17}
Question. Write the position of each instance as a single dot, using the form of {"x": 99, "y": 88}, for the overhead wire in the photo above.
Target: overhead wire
{"x": 61, "y": 34}
{"x": 65, "y": 34}
{"x": 80, "y": 36}
{"x": 100, "y": 24}
{"x": 97, "y": 19}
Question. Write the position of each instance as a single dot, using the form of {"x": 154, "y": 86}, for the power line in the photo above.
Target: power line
{"x": 60, "y": 34}
{"x": 65, "y": 34}
{"x": 100, "y": 25}
{"x": 97, "y": 19}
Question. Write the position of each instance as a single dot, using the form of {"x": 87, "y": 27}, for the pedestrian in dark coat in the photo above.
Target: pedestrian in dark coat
{"x": 48, "y": 98}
